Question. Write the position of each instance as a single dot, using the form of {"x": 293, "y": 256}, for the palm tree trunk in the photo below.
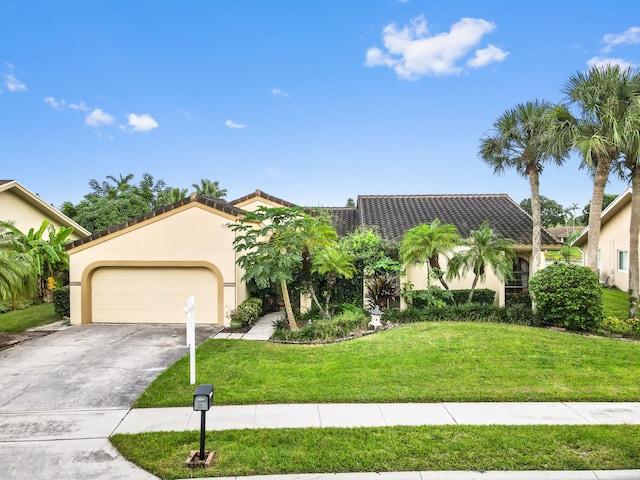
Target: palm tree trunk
{"x": 536, "y": 241}
{"x": 287, "y": 306}
{"x": 593, "y": 236}
{"x": 435, "y": 266}
{"x": 473, "y": 287}
{"x": 634, "y": 232}
{"x": 331, "y": 282}
{"x": 315, "y": 299}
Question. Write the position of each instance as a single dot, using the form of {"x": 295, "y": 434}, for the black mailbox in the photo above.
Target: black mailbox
{"x": 203, "y": 397}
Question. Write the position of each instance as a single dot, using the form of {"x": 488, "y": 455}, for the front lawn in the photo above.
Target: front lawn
{"x": 424, "y": 362}
{"x": 615, "y": 303}
{"x": 17, "y": 321}
{"x": 384, "y": 449}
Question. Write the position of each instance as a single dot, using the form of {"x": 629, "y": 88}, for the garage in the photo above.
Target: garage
{"x": 152, "y": 294}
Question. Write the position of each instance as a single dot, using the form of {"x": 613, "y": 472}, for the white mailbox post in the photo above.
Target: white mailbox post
{"x": 191, "y": 337}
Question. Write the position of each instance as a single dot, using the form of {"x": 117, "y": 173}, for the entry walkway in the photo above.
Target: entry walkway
{"x": 262, "y": 330}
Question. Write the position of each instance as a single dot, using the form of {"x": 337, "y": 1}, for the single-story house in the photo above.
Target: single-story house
{"x": 26, "y": 210}
{"x": 562, "y": 232}
{"x": 144, "y": 270}
{"x": 613, "y": 246}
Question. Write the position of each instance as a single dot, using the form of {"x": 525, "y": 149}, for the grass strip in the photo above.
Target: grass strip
{"x": 387, "y": 449}
{"x": 615, "y": 303}
{"x": 17, "y": 321}
{"x": 425, "y": 362}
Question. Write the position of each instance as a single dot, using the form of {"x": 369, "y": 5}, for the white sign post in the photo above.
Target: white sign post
{"x": 191, "y": 337}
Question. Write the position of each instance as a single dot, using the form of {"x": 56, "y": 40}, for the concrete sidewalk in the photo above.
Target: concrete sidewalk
{"x": 262, "y": 330}
{"x": 380, "y": 415}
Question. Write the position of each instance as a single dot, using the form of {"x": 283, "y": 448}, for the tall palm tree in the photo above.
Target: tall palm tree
{"x": 171, "y": 195}
{"x": 605, "y": 97}
{"x": 210, "y": 189}
{"x": 334, "y": 263}
{"x": 485, "y": 248}
{"x": 519, "y": 142}
{"x": 425, "y": 243}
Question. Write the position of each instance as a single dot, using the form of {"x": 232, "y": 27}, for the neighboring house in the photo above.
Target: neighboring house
{"x": 563, "y": 232}
{"x": 613, "y": 247}
{"x": 25, "y": 210}
{"x": 145, "y": 269}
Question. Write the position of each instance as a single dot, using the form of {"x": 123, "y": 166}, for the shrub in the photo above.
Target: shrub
{"x": 433, "y": 297}
{"x": 62, "y": 302}
{"x": 517, "y": 315}
{"x": 520, "y": 298}
{"x": 248, "y": 312}
{"x": 568, "y": 296}
{"x": 628, "y": 327}
{"x": 341, "y": 326}
{"x": 483, "y": 296}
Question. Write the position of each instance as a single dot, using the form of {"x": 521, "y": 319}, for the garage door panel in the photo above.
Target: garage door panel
{"x": 153, "y": 295}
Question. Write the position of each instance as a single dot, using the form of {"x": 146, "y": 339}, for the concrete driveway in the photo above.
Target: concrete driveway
{"x": 62, "y": 395}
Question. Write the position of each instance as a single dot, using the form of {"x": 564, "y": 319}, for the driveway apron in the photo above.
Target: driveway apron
{"x": 62, "y": 395}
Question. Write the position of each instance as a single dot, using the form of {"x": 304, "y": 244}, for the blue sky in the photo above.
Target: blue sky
{"x": 311, "y": 101}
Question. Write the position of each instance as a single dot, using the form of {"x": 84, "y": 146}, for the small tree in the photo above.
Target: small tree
{"x": 568, "y": 296}
{"x": 483, "y": 249}
{"x": 334, "y": 263}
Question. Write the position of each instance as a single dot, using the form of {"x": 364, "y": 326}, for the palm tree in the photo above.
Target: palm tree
{"x": 171, "y": 195}
{"x": 210, "y": 189}
{"x": 425, "y": 243}
{"x": 17, "y": 273}
{"x": 334, "y": 263}
{"x": 606, "y": 98}
{"x": 485, "y": 248}
{"x": 519, "y": 142}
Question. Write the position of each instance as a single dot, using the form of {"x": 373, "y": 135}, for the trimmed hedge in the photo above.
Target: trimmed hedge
{"x": 62, "y": 301}
{"x": 422, "y": 298}
{"x": 517, "y": 315}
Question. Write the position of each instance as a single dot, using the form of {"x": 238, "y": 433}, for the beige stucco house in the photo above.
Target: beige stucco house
{"x": 26, "y": 210}
{"x": 613, "y": 247}
{"x": 145, "y": 269}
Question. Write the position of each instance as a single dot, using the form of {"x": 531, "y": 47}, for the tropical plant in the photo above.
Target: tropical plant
{"x": 484, "y": 249}
{"x": 171, "y": 195}
{"x": 519, "y": 142}
{"x": 334, "y": 263}
{"x": 270, "y": 244}
{"x": 210, "y": 189}
{"x": 48, "y": 255}
{"x": 425, "y": 243}
{"x": 382, "y": 290}
{"x": 17, "y": 274}
{"x": 605, "y": 96}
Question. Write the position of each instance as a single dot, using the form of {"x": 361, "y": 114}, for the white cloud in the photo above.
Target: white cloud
{"x": 231, "y": 124}
{"x": 485, "y": 56}
{"x": 97, "y": 118}
{"x": 631, "y": 36}
{"x": 185, "y": 114}
{"x": 277, "y": 91}
{"x": 603, "y": 62}
{"x": 79, "y": 106}
{"x": 142, "y": 123}
{"x": 13, "y": 84}
{"x": 57, "y": 105}
{"x": 412, "y": 52}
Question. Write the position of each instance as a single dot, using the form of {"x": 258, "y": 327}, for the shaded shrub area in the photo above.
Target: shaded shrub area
{"x": 61, "y": 301}
{"x": 341, "y": 326}
{"x": 436, "y": 296}
{"x": 568, "y": 296}
{"x": 517, "y": 315}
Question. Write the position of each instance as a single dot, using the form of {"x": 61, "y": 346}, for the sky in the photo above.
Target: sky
{"x": 312, "y": 101}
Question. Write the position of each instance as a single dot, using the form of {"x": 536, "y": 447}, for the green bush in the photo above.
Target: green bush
{"x": 248, "y": 312}
{"x": 518, "y": 315}
{"x": 483, "y": 296}
{"x": 62, "y": 302}
{"x": 520, "y": 298}
{"x": 341, "y": 326}
{"x": 437, "y": 297}
{"x": 568, "y": 296}
{"x": 628, "y": 327}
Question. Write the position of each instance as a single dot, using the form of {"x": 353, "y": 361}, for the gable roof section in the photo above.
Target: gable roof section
{"x": 607, "y": 214}
{"x": 395, "y": 214}
{"x": 219, "y": 205}
{"x": 37, "y": 202}
{"x": 345, "y": 219}
{"x": 260, "y": 194}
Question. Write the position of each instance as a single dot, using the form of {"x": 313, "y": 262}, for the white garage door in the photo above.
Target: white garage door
{"x": 153, "y": 295}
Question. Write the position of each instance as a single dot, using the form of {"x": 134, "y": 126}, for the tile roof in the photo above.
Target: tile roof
{"x": 221, "y": 205}
{"x": 395, "y": 214}
{"x": 2, "y": 182}
{"x": 345, "y": 219}
{"x": 261, "y": 194}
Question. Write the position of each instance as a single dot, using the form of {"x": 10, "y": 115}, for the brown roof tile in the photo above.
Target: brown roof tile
{"x": 221, "y": 205}
{"x": 261, "y": 194}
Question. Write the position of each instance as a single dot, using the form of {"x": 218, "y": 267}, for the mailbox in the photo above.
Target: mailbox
{"x": 203, "y": 397}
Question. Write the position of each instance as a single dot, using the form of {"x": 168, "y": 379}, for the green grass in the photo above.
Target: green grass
{"x": 18, "y": 321}
{"x": 424, "y": 362}
{"x": 615, "y": 303}
{"x": 327, "y": 450}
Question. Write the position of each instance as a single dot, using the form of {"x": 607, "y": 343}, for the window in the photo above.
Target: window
{"x": 623, "y": 260}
